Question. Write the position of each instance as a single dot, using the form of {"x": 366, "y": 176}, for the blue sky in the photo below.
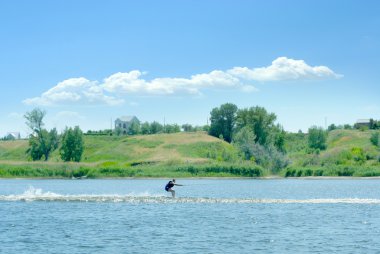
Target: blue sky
{"x": 87, "y": 62}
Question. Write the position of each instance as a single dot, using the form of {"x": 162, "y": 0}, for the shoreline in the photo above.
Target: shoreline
{"x": 202, "y": 178}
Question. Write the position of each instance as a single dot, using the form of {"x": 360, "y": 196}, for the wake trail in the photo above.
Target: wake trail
{"x": 32, "y": 195}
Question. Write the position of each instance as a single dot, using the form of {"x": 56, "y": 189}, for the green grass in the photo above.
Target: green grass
{"x": 348, "y": 153}
{"x": 355, "y": 171}
{"x": 161, "y": 155}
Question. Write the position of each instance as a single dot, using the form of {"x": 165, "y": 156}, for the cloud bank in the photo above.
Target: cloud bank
{"x": 113, "y": 88}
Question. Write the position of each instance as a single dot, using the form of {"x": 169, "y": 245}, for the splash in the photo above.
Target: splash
{"x": 34, "y": 194}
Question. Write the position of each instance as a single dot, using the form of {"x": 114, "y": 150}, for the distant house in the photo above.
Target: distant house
{"x": 363, "y": 123}
{"x": 125, "y": 122}
{"x": 12, "y": 136}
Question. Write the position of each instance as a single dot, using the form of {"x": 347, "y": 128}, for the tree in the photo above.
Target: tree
{"x": 118, "y": 131}
{"x": 72, "y": 144}
{"x": 331, "y": 127}
{"x": 223, "y": 121}
{"x": 259, "y": 120}
{"x": 34, "y": 120}
{"x": 172, "y": 128}
{"x": 48, "y": 142}
{"x": 375, "y": 138}
{"x": 278, "y": 138}
{"x": 347, "y": 127}
{"x": 155, "y": 127}
{"x": 145, "y": 128}
{"x": 317, "y": 138}
{"x": 134, "y": 128}
{"x": 187, "y": 127}
{"x": 243, "y": 140}
{"x": 41, "y": 142}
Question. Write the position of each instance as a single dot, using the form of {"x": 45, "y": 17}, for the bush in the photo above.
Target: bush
{"x": 317, "y": 138}
{"x": 375, "y": 139}
{"x": 358, "y": 155}
{"x": 220, "y": 169}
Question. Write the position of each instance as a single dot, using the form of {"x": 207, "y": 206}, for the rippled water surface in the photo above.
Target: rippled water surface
{"x": 207, "y": 216}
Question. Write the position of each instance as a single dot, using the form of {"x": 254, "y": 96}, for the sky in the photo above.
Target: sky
{"x": 312, "y": 63}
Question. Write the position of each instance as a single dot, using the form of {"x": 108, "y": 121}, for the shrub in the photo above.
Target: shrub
{"x": 375, "y": 139}
{"x": 358, "y": 155}
{"x": 317, "y": 138}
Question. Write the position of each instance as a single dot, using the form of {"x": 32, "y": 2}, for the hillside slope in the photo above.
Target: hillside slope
{"x": 179, "y": 147}
{"x": 349, "y": 152}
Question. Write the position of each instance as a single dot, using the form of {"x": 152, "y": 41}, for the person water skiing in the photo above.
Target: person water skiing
{"x": 170, "y": 185}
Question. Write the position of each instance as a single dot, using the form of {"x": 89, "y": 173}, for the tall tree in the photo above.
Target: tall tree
{"x": 34, "y": 119}
{"x": 156, "y": 127}
{"x": 134, "y": 128}
{"x": 259, "y": 120}
{"x": 223, "y": 121}
{"x": 72, "y": 144}
{"x": 145, "y": 128}
{"x": 244, "y": 139}
{"x": 48, "y": 142}
{"x": 41, "y": 141}
{"x": 317, "y": 138}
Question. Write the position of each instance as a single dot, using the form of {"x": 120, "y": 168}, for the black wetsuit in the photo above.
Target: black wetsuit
{"x": 169, "y": 185}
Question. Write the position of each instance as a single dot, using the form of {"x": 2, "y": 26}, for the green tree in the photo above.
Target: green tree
{"x": 134, "y": 128}
{"x": 243, "y": 140}
{"x": 187, "y": 127}
{"x": 347, "y": 127}
{"x": 35, "y": 120}
{"x": 317, "y": 138}
{"x": 48, "y": 142}
{"x": 118, "y": 131}
{"x": 34, "y": 149}
{"x": 145, "y": 128}
{"x": 155, "y": 127}
{"x": 72, "y": 144}
{"x": 172, "y": 128}
{"x": 375, "y": 138}
{"x": 331, "y": 127}
{"x": 223, "y": 121}
{"x": 41, "y": 141}
{"x": 278, "y": 136}
{"x": 259, "y": 120}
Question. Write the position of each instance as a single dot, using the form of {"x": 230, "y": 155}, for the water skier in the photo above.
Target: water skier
{"x": 170, "y": 185}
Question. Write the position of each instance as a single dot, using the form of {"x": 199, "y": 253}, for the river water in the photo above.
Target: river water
{"x": 207, "y": 216}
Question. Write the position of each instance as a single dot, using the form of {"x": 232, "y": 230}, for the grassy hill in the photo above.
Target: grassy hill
{"x": 179, "y": 147}
{"x": 349, "y": 152}
{"x": 174, "y": 155}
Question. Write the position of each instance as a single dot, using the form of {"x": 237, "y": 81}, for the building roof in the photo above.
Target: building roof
{"x": 363, "y": 121}
{"x": 16, "y": 135}
{"x": 126, "y": 118}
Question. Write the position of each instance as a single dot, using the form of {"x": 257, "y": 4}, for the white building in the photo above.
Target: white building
{"x": 12, "y": 135}
{"x": 125, "y": 122}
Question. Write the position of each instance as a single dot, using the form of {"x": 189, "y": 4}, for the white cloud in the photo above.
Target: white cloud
{"x": 113, "y": 88}
{"x": 284, "y": 68}
{"x": 74, "y": 90}
{"x": 130, "y": 82}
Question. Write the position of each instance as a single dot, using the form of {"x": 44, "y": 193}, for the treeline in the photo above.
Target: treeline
{"x": 43, "y": 142}
{"x": 371, "y": 125}
{"x": 147, "y": 128}
{"x": 254, "y": 132}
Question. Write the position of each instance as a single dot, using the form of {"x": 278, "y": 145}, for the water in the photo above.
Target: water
{"x": 208, "y": 216}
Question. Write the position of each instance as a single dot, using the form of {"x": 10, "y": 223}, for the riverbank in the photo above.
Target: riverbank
{"x": 60, "y": 170}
